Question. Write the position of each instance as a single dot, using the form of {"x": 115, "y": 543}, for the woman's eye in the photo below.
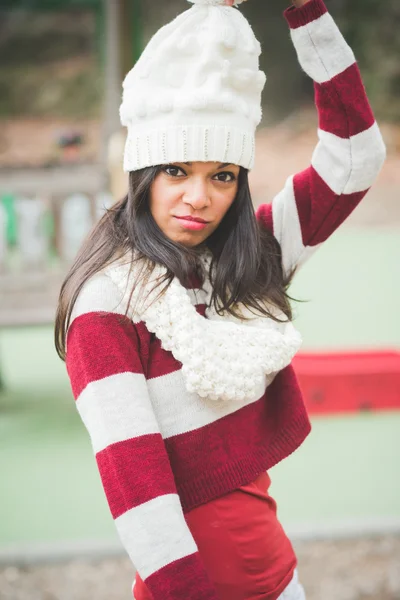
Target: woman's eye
{"x": 172, "y": 171}
{"x": 225, "y": 175}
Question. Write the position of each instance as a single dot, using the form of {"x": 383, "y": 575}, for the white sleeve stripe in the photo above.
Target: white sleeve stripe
{"x": 332, "y": 160}
{"x": 287, "y": 229}
{"x": 115, "y": 409}
{"x": 155, "y": 534}
{"x": 349, "y": 165}
{"x": 321, "y": 49}
{"x": 368, "y": 153}
{"x": 285, "y": 215}
{"x": 99, "y": 294}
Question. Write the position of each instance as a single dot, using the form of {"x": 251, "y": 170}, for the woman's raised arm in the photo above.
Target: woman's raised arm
{"x": 350, "y": 152}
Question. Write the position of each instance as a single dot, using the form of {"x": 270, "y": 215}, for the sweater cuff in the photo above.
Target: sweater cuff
{"x": 184, "y": 578}
{"x": 297, "y": 17}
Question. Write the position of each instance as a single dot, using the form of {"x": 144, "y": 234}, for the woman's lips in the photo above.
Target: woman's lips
{"x": 190, "y": 224}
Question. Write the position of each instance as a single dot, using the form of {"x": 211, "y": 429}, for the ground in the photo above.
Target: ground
{"x": 364, "y": 569}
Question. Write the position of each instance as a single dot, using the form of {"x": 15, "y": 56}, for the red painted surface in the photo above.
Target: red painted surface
{"x": 343, "y": 382}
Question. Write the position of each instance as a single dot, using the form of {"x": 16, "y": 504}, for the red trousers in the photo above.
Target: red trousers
{"x": 245, "y": 551}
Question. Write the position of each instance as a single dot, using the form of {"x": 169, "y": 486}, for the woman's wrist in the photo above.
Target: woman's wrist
{"x": 300, "y": 3}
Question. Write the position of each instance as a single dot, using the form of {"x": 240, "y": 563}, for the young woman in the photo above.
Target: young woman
{"x": 174, "y": 319}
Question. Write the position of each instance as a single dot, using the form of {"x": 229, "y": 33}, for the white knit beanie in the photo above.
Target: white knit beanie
{"x": 195, "y": 92}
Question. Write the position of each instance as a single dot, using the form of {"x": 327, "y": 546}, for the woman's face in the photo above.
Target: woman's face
{"x": 196, "y": 190}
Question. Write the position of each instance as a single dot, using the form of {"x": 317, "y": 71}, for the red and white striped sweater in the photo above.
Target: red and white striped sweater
{"x": 162, "y": 451}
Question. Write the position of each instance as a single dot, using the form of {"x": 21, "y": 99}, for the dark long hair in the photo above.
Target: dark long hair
{"x": 246, "y": 265}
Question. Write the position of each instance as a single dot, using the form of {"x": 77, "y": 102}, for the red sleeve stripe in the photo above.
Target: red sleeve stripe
{"x": 155, "y": 534}
{"x": 100, "y": 345}
{"x": 282, "y": 218}
{"x": 297, "y": 17}
{"x": 169, "y": 582}
{"x": 135, "y": 471}
{"x": 346, "y": 90}
{"x": 117, "y": 408}
{"x": 305, "y": 214}
{"x": 320, "y": 210}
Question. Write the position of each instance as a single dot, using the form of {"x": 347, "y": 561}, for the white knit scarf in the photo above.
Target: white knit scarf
{"x": 223, "y": 358}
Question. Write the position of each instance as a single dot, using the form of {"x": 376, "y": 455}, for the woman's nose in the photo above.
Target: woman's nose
{"x": 197, "y": 195}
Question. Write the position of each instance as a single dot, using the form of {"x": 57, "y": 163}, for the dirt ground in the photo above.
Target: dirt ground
{"x": 362, "y": 569}
{"x": 33, "y": 142}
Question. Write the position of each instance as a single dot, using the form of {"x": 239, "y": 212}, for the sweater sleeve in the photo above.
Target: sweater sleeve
{"x": 104, "y": 366}
{"x": 350, "y": 151}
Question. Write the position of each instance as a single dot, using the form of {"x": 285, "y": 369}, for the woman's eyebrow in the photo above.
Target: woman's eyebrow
{"x": 222, "y": 166}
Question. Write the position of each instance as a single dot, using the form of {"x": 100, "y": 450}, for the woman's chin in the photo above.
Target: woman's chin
{"x": 189, "y": 240}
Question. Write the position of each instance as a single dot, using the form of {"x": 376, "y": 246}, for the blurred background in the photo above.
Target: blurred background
{"x": 61, "y": 67}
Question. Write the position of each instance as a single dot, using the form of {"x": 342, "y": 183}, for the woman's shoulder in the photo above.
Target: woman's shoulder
{"x": 103, "y": 292}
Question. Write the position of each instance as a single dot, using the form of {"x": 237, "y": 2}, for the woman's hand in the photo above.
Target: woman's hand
{"x": 297, "y": 3}
{"x": 300, "y": 3}
{"x": 232, "y": 2}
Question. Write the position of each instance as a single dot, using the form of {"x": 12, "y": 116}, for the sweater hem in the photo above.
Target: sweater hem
{"x": 244, "y": 470}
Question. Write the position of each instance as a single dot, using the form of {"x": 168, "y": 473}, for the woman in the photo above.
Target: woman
{"x": 174, "y": 319}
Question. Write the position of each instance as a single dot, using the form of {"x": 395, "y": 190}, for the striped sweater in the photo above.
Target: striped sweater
{"x": 162, "y": 451}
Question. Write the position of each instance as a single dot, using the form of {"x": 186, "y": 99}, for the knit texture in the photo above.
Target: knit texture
{"x": 162, "y": 450}
{"x": 195, "y": 92}
{"x": 223, "y": 358}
